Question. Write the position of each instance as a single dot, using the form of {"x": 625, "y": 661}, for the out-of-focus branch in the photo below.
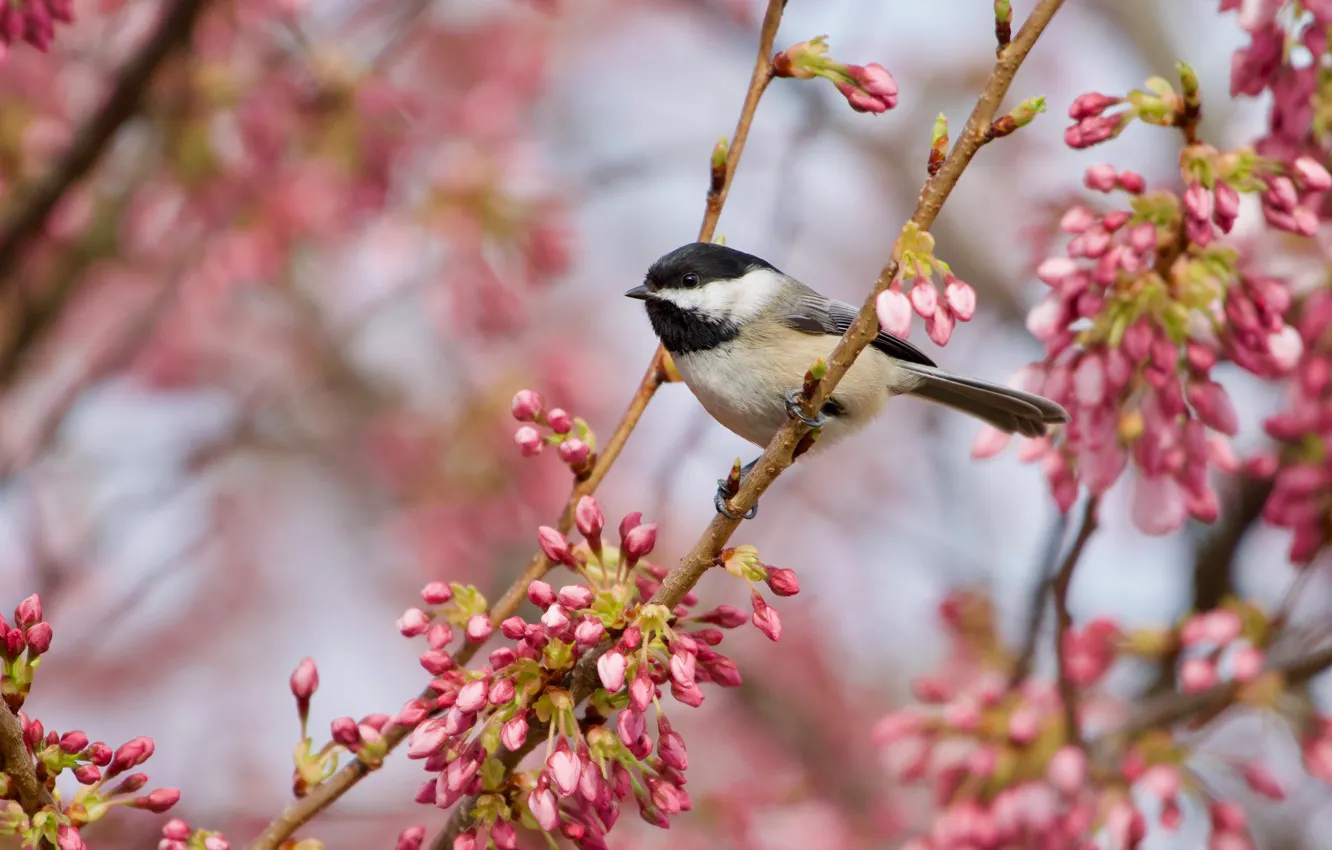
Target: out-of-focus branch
{"x": 1068, "y": 694}
{"x": 341, "y": 782}
{"x": 1172, "y": 708}
{"x": 18, "y": 765}
{"x": 93, "y": 138}
{"x": 1036, "y": 615}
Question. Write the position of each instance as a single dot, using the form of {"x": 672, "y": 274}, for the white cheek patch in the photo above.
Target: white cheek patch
{"x": 739, "y": 300}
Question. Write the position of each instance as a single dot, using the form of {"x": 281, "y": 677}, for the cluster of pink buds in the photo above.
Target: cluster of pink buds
{"x": 32, "y": 21}
{"x": 178, "y": 835}
{"x": 575, "y": 441}
{"x": 868, "y": 88}
{"x": 1004, "y": 770}
{"x": 1142, "y": 307}
{"x": 1159, "y": 104}
{"x": 1301, "y": 498}
{"x": 1218, "y": 642}
{"x": 518, "y": 698}
{"x": 21, "y": 648}
{"x": 941, "y": 313}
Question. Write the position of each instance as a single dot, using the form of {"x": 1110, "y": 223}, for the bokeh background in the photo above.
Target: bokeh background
{"x": 264, "y": 395}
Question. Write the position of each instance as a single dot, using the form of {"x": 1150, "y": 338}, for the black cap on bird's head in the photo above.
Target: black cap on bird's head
{"x": 697, "y": 264}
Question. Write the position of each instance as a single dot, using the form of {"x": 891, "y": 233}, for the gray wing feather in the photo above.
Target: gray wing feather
{"x": 814, "y": 314}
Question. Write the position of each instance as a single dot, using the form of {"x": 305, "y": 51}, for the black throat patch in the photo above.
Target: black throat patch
{"x": 686, "y": 331}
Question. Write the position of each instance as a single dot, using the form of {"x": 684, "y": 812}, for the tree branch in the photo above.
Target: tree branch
{"x": 1068, "y": 694}
{"x": 92, "y": 139}
{"x": 17, "y": 764}
{"x": 324, "y": 794}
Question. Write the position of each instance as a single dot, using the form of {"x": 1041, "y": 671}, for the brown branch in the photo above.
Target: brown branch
{"x": 18, "y": 765}
{"x": 93, "y": 138}
{"x": 1068, "y": 694}
{"x": 324, "y": 794}
{"x": 1036, "y": 615}
{"x": 1171, "y": 708}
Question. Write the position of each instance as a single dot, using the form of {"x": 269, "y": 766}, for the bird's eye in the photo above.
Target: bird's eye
{"x": 690, "y": 280}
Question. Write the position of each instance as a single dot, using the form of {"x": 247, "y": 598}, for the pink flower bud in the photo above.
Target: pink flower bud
{"x": 158, "y": 800}
{"x": 1221, "y": 626}
{"x": 39, "y": 638}
{"x": 73, "y": 742}
{"x": 1067, "y": 770}
{"x": 413, "y": 622}
{"x": 861, "y": 101}
{"x": 924, "y": 298}
{"x": 1045, "y": 319}
{"x": 526, "y": 406}
{"x": 436, "y": 593}
{"x": 435, "y": 661}
{"x": 555, "y": 618}
{"x": 555, "y": 546}
{"x": 683, "y": 665}
{"x": 514, "y": 732}
{"x": 724, "y": 616}
{"x": 439, "y": 635}
{"x": 1196, "y": 674}
{"x": 1286, "y": 347}
{"x": 473, "y": 695}
{"x": 541, "y": 803}
{"x": 504, "y": 835}
{"x": 640, "y": 540}
{"x": 1024, "y": 725}
{"x": 961, "y": 298}
{"x": 1198, "y": 202}
{"x": 691, "y": 696}
{"x": 411, "y": 838}
{"x": 1076, "y": 220}
{"x": 1100, "y": 177}
{"x": 1161, "y": 780}
{"x": 1227, "y": 201}
{"x": 1261, "y": 781}
{"x": 529, "y": 441}
{"x": 641, "y": 691}
{"x": 99, "y": 754}
{"x": 176, "y": 830}
{"x": 1091, "y": 105}
{"x": 1212, "y": 404}
{"x": 575, "y": 596}
{"x": 589, "y": 632}
{"x": 559, "y": 421}
{"x": 1311, "y": 174}
{"x": 87, "y": 774}
{"x": 68, "y": 838}
{"x": 465, "y": 840}
{"x": 1132, "y": 182}
{"x": 611, "y": 670}
{"x": 564, "y": 769}
{"x": 589, "y": 519}
{"x": 131, "y": 754}
{"x": 345, "y": 731}
{"x": 29, "y": 611}
{"x": 876, "y": 80}
{"x": 216, "y": 842}
{"x": 894, "y": 312}
{"x": 1248, "y": 664}
{"x": 765, "y": 619}
{"x": 541, "y": 594}
{"x": 479, "y": 628}
{"x": 782, "y": 582}
{"x": 574, "y": 451}
{"x": 1091, "y": 131}
{"x": 1281, "y": 194}
{"x": 939, "y": 327}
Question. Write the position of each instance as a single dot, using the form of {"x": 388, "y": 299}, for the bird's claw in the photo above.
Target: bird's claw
{"x": 719, "y": 502}
{"x": 793, "y": 409}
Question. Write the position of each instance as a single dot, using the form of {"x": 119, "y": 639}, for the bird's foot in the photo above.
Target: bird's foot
{"x": 726, "y": 490}
{"x": 793, "y": 409}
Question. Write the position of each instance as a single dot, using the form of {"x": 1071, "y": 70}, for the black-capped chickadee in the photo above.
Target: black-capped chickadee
{"x": 742, "y": 335}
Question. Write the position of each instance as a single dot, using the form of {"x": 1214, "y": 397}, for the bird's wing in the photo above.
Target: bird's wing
{"x": 814, "y": 314}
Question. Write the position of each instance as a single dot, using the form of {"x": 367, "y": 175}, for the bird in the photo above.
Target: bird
{"x": 742, "y": 335}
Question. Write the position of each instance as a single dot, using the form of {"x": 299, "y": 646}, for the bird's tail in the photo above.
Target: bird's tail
{"x": 1009, "y": 410}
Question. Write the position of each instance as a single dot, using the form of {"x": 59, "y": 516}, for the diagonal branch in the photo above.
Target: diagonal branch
{"x": 93, "y": 138}
{"x": 1068, "y": 694}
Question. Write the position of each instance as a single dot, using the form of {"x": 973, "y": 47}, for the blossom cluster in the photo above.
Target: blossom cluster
{"x": 1004, "y": 768}
{"x": 941, "y": 313}
{"x": 867, "y": 88}
{"x": 570, "y": 435}
{"x": 106, "y": 777}
{"x": 32, "y": 21}
{"x": 1146, "y": 302}
{"x": 601, "y": 639}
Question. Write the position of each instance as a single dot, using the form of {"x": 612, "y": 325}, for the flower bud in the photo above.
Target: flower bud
{"x": 68, "y": 838}
{"x": 574, "y": 451}
{"x": 514, "y": 732}
{"x": 555, "y": 547}
{"x": 894, "y": 312}
{"x": 765, "y": 619}
{"x": 28, "y": 612}
{"x": 479, "y": 628}
{"x": 413, "y": 623}
{"x": 589, "y": 519}
{"x": 575, "y": 596}
{"x": 529, "y": 441}
{"x": 73, "y": 742}
{"x": 924, "y": 298}
{"x": 436, "y": 593}
{"x": 158, "y": 800}
{"x": 1311, "y": 174}
{"x": 39, "y": 638}
{"x": 960, "y": 297}
{"x": 344, "y": 731}
{"x": 526, "y": 406}
{"x": 1100, "y": 177}
{"x": 640, "y": 540}
{"x": 589, "y": 632}
{"x": 1091, "y": 105}
{"x": 541, "y": 803}
{"x": 559, "y": 421}
{"x": 411, "y": 838}
{"x": 782, "y": 582}
{"x": 611, "y": 670}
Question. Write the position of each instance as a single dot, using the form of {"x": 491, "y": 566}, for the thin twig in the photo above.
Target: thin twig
{"x": 324, "y": 794}
{"x": 1036, "y": 615}
{"x": 17, "y": 764}
{"x": 93, "y": 138}
{"x": 1068, "y": 694}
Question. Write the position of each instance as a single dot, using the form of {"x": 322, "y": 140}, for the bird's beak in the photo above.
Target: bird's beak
{"x": 640, "y": 292}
